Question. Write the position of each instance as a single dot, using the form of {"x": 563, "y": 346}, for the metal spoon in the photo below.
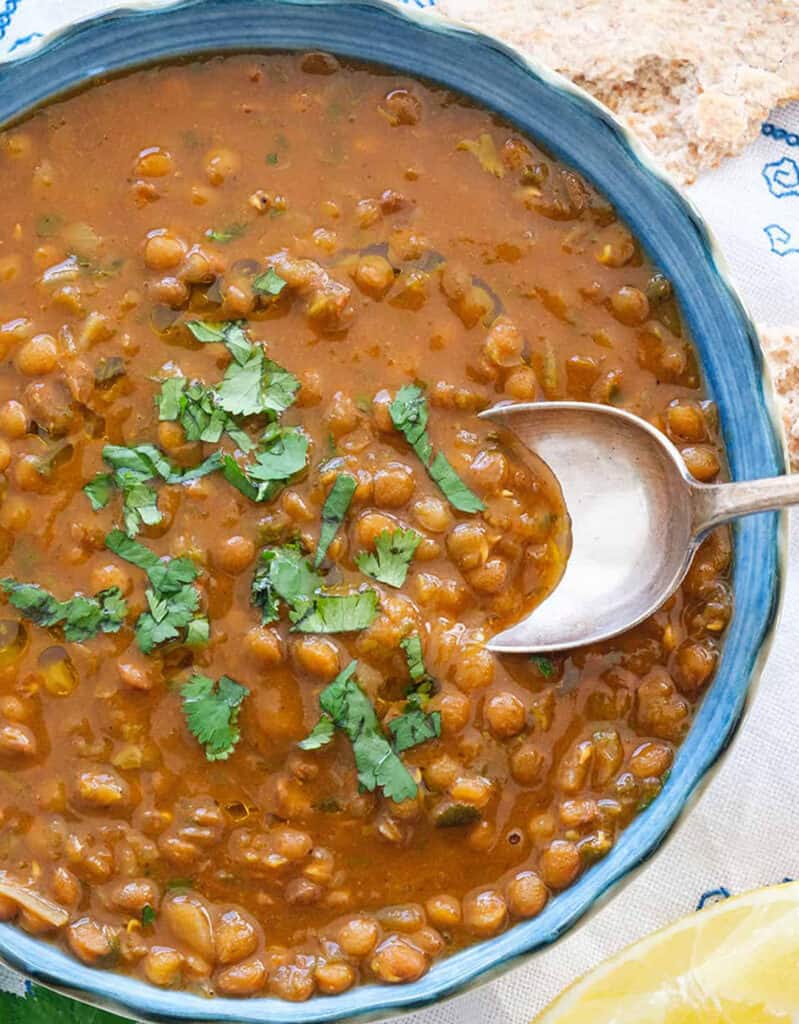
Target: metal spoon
{"x": 637, "y": 517}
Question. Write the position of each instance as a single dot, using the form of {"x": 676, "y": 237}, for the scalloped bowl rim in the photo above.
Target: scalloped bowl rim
{"x": 46, "y": 964}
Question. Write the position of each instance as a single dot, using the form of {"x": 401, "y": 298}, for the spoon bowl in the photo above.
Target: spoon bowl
{"x": 636, "y": 515}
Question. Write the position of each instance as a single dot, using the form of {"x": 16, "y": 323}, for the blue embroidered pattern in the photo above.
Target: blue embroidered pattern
{"x": 779, "y": 240}
{"x": 9, "y": 8}
{"x": 773, "y": 131}
{"x": 713, "y": 896}
{"x": 782, "y": 177}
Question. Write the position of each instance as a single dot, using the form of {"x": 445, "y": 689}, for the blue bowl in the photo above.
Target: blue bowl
{"x": 582, "y": 133}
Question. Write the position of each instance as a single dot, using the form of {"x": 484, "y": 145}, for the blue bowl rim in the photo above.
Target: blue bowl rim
{"x": 44, "y": 964}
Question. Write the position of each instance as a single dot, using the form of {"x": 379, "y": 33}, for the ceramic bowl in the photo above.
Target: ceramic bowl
{"x": 582, "y": 133}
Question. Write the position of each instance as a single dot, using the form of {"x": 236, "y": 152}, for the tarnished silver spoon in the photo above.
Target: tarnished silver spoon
{"x": 637, "y": 517}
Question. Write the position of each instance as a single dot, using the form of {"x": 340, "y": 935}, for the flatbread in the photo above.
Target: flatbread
{"x": 781, "y": 346}
{"x": 693, "y": 78}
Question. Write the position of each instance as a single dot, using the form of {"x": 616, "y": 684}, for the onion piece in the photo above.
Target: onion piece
{"x": 33, "y": 902}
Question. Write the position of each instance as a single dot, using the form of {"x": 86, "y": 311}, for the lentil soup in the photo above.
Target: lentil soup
{"x": 254, "y": 537}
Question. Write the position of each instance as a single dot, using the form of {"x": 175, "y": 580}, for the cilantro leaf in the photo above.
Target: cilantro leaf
{"x": 409, "y": 415}
{"x": 99, "y": 490}
{"x": 282, "y": 453}
{"x": 414, "y": 727}
{"x": 391, "y": 558}
{"x": 131, "y": 550}
{"x": 452, "y": 487}
{"x": 288, "y": 576}
{"x": 237, "y": 476}
{"x": 227, "y": 234}
{"x": 81, "y": 617}
{"x": 336, "y": 613}
{"x": 281, "y": 388}
{"x": 321, "y": 734}
{"x": 544, "y": 665}
{"x": 412, "y": 645}
{"x": 269, "y": 283}
{"x": 230, "y": 333}
{"x": 241, "y": 390}
{"x": 377, "y": 764}
{"x": 198, "y": 632}
{"x": 257, "y": 385}
{"x": 196, "y": 407}
{"x": 172, "y": 599}
{"x": 333, "y": 512}
{"x": 212, "y": 712}
{"x": 133, "y": 467}
{"x": 147, "y": 915}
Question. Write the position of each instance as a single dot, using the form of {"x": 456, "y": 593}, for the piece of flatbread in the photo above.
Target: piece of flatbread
{"x": 693, "y": 78}
{"x": 781, "y": 347}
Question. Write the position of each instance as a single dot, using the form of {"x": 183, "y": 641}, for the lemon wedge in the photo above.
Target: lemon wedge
{"x": 734, "y": 963}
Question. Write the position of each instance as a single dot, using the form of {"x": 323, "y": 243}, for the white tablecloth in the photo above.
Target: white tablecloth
{"x": 743, "y": 831}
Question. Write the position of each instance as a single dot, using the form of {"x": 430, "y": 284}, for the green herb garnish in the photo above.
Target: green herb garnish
{"x": 172, "y": 599}
{"x": 133, "y": 468}
{"x": 197, "y": 408}
{"x": 269, "y": 283}
{"x": 391, "y": 558}
{"x": 345, "y": 706}
{"x": 212, "y": 712}
{"x": 272, "y": 158}
{"x": 286, "y": 576}
{"x": 337, "y": 613}
{"x": 544, "y": 665}
{"x": 227, "y": 234}
{"x": 333, "y": 512}
{"x": 252, "y": 384}
{"x": 81, "y": 617}
{"x": 147, "y": 915}
{"x": 416, "y": 725}
{"x": 409, "y": 415}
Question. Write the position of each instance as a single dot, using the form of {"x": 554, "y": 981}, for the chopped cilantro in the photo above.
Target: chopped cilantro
{"x": 412, "y": 645}
{"x": 230, "y": 333}
{"x": 81, "y": 617}
{"x": 409, "y": 415}
{"x": 272, "y": 158}
{"x": 212, "y": 712}
{"x": 133, "y": 468}
{"x": 544, "y": 665}
{"x": 333, "y": 512}
{"x": 172, "y": 599}
{"x": 257, "y": 385}
{"x": 336, "y": 613}
{"x": 197, "y": 408}
{"x": 147, "y": 915}
{"x": 414, "y": 727}
{"x": 269, "y": 283}
{"x": 392, "y": 556}
{"x": 287, "y": 576}
{"x": 348, "y": 708}
{"x": 282, "y": 454}
{"x": 320, "y": 735}
{"x": 229, "y": 233}
{"x": 452, "y": 487}
{"x": 99, "y": 490}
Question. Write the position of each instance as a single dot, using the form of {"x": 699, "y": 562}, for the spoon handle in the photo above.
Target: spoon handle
{"x": 716, "y": 503}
